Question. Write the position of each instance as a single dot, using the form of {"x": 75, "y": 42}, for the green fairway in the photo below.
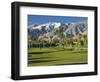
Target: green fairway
{"x": 56, "y": 56}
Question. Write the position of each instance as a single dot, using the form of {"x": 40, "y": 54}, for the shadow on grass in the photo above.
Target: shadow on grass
{"x": 39, "y": 61}
{"x": 72, "y": 64}
{"x": 30, "y": 58}
{"x": 45, "y": 52}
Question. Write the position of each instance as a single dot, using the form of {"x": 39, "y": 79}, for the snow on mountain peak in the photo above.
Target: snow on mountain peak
{"x": 46, "y": 25}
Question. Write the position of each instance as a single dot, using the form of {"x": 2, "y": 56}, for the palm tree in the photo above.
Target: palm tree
{"x": 56, "y": 40}
{"x": 29, "y": 41}
{"x": 50, "y": 39}
{"x": 46, "y": 39}
{"x": 60, "y": 34}
{"x": 40, "y": 39}
{"x": 85, "y": 38}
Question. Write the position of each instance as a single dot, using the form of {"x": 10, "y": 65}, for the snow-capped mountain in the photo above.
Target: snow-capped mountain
{"x": 48, "y": 26}
{"x": 70, "y": 29}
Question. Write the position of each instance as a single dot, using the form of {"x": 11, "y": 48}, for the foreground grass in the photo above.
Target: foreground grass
{"x": 56, "y": 56}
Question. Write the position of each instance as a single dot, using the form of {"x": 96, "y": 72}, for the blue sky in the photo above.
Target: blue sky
{"x": 40, "y": 19}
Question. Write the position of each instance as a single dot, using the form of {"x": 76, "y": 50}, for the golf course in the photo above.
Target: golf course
{"x": 57, "y": 40}
{"x": 56, "y": 56}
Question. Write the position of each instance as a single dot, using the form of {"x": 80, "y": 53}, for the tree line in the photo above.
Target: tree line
{"x": 58, "y": 40}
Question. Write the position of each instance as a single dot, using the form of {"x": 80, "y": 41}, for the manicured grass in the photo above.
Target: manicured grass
{"x": 56, "y": 56}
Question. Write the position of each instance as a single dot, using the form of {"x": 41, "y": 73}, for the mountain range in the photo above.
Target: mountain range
{"x": 70, "y": 29}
